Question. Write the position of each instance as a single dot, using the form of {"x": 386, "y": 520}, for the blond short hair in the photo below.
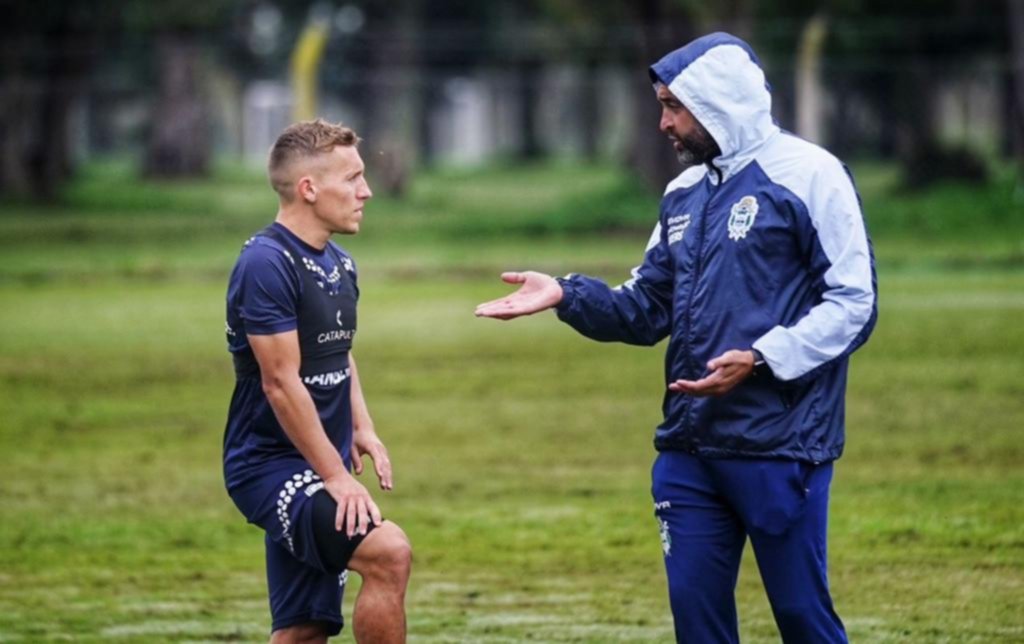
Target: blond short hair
{"x": 304, "y": 140}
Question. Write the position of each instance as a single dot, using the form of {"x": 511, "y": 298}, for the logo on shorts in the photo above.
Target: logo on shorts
{"x": 666, "y": 537}
{"x": 741, "y": 217}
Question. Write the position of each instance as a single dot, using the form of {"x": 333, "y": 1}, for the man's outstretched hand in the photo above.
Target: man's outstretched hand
{"x": 537, "y": 293}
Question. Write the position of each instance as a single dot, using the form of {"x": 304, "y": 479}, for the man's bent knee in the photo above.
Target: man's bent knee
{"x": 385, "y": 554}
{"x": 311, "y": 633}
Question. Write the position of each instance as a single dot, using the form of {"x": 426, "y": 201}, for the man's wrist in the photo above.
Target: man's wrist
{"x": 565, "y": 285}
{"x": 761, "y": 367}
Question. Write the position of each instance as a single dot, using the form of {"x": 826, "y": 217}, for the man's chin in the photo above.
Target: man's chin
{"x": 687, "y": 159}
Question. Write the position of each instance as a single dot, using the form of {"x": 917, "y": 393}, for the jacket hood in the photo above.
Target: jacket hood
{"x": 718, "y": 77}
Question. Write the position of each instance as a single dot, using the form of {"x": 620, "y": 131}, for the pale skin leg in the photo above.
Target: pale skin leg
{"x": 383, "y": 560}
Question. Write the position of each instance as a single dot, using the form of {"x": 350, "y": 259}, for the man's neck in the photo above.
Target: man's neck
{"x": 303, "y": 226}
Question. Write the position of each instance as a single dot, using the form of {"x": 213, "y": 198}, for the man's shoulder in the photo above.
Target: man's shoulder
{"x": 788, "y": 149}
{"x": 264, "y": 256}
{"x": 264, "y": 249}
{"x": 687, "y": 178}
{"x": 799, "y": 166}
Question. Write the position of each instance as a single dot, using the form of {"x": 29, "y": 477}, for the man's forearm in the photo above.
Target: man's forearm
{"x": 360, "y": 412}
{"x": 298, "y": 416}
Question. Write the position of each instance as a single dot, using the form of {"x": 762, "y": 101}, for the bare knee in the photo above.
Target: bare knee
{"x": 385, "y": 555}
{"x": 311, "y": 633}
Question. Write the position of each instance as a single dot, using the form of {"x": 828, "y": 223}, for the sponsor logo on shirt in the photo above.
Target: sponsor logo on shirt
{"x": 329, "y": 379}
{"x": 741, "y": 217}
{"x": 677, "y": 226}
{"x": 335, "y": 336}
{"x": 324, "y": 280}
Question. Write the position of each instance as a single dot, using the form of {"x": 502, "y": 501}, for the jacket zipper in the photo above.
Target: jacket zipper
{"x": 698, "y": 269}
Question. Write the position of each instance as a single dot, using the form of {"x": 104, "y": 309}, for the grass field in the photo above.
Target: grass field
{"x": 522, "y": 451}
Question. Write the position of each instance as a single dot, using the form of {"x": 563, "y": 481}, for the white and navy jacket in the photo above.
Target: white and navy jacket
{"x": 764, "y": 249}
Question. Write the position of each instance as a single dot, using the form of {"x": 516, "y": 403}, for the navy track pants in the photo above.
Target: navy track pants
{"x": 706, "y": 508}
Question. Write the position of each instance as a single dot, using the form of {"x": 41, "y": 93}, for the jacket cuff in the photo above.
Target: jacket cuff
{"x": 568, "y": 295}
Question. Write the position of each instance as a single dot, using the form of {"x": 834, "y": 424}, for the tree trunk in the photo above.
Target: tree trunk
{"x": 527, "y": 81}
{"x": 590, "y": 105}
{"x": 16, "y": 125}
{"x": 179, "y": 142}
{"x": 394, "y": 98}
{"x": 651, "y": 155}
{"x": 42, "y": 66}
{"x": 809, "y": 90}
{"x": 1017, "y": 78}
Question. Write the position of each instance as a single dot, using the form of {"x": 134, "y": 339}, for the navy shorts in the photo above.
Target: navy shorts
{"x": 303, "y": 587}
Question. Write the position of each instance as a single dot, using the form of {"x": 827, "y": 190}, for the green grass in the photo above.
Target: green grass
{"x": 522, "y": 451}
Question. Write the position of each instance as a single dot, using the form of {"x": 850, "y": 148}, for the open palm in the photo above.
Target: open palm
{"x": 537, "y": 293}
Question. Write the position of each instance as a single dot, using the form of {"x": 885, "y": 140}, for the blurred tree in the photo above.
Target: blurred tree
{"x": 395, "y": 97}
{"x": 47, "y": 56}
{"x": 636, "y": 34}
{"x": 1016, "y": 82}
{"x": 50, "y": 52}
{"x": 898, "y": 52}
{"x": 179, "y": 138}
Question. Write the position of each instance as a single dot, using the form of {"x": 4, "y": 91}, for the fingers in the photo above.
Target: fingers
{"x": 726, "y": 375}
{"x": 375, "y": 513}
{"x": 357, "y": 460}
{"x": 350, "y": 517}
{"x": 362, "y": 516}
{"x": 355, "y": 506}
{"x": 706, "y": 386}
{"x": 382, "y": 464}
{"x": 512, "y": 277}
{"x": 494, "y": 308}
{"x": 339, "y": 516}
{"x": 501, "y": 310}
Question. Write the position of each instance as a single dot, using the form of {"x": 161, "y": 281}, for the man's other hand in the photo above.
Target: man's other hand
{"x": 355, "y": 506}
{"x": 726, "y": 371}
{"x": 365, "y": 441}
{"x": 537, "y": 293}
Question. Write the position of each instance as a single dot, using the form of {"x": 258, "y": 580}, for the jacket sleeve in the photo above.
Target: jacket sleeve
{"x": 839, "y": 254}
{"x": 636, "y": 312}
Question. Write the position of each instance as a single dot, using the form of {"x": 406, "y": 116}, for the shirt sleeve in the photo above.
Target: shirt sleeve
{"x": 841, "y": 258}
{"x": 636, "y": 312}
{"x": 268, "y": 292}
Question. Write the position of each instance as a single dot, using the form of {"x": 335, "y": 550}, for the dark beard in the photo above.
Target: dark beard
{"x": 698, "y": 148}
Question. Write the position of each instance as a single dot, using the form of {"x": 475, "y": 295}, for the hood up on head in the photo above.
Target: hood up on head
{"x": 718, "y": 78}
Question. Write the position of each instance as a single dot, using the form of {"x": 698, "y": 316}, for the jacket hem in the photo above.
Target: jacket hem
{"x": 816, "y": 457}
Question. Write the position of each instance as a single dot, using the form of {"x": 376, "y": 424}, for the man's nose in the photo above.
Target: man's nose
{"x": 666, "y": 122}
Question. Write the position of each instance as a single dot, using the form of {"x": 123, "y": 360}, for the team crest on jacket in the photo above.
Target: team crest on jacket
{"x": 741, "y": 218}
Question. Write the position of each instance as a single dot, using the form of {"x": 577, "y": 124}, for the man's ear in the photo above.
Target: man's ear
{"x": 306, "y": 190}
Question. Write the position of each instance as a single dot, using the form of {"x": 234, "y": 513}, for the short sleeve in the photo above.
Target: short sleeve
{"x": 268, "y": 290}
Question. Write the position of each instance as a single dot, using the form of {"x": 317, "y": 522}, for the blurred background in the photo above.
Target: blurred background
{"x": 499, "y": 135}
{"x": 935, "y": 86}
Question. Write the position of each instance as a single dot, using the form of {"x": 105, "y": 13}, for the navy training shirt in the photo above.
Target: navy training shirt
{"x": 282, "y": 284}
